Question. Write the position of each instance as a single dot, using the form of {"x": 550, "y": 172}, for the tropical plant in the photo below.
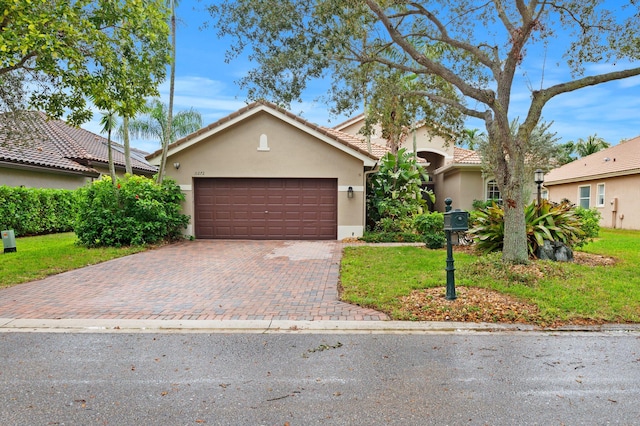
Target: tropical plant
{"x": 395, "y": 192}
{"x": 135, "y": 211}
{"x": 470, "y": 138}
{"x": 154, "y": 122}
{"x": 295, "y": 41}
{"x": 548, "y": 221}
{"x": 590, "y": 145}
{"x": 108, "y": 123}
{"x": 564, "y": 154}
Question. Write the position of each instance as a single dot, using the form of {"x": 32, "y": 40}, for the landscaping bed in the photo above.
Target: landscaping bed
{"x": 600, "y": 286}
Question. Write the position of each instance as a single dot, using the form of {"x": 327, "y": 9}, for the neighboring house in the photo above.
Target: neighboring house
{"x": 52, "y": 154}
{"x": 608, "y": 180}
{"x": 454, "y": 172}
{"x": 265, "y": 173}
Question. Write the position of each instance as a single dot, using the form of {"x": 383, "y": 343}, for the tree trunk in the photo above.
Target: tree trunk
{"x": 511, "y": 174}
{"x": 127, "y": 147}
{"x": 172, "y": 83}
{"x": 112, "y": 166}
{"x": 515, "y": 235}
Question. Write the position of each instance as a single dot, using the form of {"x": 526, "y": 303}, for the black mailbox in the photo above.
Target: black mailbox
{"x": 456, "y": 220}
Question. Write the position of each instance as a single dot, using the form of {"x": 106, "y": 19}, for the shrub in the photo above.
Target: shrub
{"x": 136, "y": 211}
{"x": 480, "y": 204}
{"x": 392, "y": 237}
{"x": 553, "y": 222}
{"x": 431, "y": 227}
{"x": 35, "y": 211}
{"x": 590, "y": 224}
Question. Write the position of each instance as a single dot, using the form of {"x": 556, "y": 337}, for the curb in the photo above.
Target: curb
{"x": 285, "y": 326}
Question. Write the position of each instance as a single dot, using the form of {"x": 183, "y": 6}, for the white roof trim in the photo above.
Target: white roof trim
{"x": 593, "y": 177}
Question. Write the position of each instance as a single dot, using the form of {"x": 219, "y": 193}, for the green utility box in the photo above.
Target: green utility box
{"x": 456, "y": 220}
{"x": 9, "y": 241}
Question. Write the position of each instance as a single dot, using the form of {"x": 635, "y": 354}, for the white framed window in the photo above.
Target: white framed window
{"x": 493, "y": 192}
{"x": 584, "y": 196}
{"x": 600, "y": 195}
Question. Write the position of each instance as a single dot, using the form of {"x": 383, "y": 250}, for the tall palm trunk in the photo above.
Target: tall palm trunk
{"x": 172, "y": 81}
{"x": 127, "y": 147}
{"x": 112, "y": 166}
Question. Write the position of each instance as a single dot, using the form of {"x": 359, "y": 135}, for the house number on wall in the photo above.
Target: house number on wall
{"x": 198, "y": 173}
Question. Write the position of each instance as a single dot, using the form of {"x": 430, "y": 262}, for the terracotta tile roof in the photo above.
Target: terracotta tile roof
{"x": 466, "y": 156}
{"x": 55, "y": 144}
{"x": 621, "y": 159}
{"x": 358, "y": 141}
{"x": 335, "y": 135}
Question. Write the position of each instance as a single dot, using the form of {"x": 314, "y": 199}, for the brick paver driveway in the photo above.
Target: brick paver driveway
{"x": 197, "y": 280}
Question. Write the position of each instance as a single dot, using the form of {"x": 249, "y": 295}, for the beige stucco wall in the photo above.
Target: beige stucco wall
{"x": 463, "y": 186}
{"x": 425, "y": 141}
{"x": 626, "y": 189}
{"x": 292, "y": 153}
{"x": 40, "y": 179}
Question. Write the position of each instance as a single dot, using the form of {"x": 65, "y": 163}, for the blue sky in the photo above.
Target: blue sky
{"x": 206, "y": 83}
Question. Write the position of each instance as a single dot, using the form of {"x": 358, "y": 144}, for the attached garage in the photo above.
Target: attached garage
{"x": 264, "y": 173}
{"x": 266, "y": 208}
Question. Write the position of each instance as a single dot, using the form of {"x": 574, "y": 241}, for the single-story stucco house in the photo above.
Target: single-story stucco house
{"x": 265, "y": 173}
{"x": 52, "y": 154}
{"x": 608, "y": 180}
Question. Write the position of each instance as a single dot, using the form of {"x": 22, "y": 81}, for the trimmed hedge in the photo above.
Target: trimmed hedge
{"x": 36, "y": 211}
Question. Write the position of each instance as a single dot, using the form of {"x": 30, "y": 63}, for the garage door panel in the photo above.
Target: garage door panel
{"x": 273, "y": 208}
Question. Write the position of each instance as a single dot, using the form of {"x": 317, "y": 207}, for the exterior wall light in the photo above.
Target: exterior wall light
{"x": 350, "y": 192}
{"x": 176, "y": 165}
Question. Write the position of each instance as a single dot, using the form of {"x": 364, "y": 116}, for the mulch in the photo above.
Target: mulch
{"x": 484, "y": 305}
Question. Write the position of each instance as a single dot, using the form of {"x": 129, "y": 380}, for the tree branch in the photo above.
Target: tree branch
{"x": 474, "y": 50}
{"x": 541, "y": 97}
{"x": 485, "y": 96}
{"x": 18, "y": 65}
{"x": 451, "y": 102}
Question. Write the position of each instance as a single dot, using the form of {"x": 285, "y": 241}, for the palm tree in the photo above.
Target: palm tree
{"x": 108, "y": 122}
{"x": 590, "y": 146}
{"x": 471, "y": 138}
{"x": 155, "y": 123}
{"x": 127, "y": 147}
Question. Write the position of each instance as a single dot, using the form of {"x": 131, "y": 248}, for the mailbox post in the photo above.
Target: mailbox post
{"x": 454, "y": 221}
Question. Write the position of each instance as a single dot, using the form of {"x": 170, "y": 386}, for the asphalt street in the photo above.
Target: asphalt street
{"x": 499, "y": 378}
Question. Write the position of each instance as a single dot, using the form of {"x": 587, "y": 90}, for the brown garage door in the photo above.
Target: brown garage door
{"x": 268, "y": 209}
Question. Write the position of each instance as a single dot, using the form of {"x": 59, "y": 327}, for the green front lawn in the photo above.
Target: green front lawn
{"x": 378, "y": 277}
{"x": 38, "y": 257}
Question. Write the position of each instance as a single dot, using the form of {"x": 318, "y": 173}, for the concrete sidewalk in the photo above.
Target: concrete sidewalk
{"x": 286, "y": 326}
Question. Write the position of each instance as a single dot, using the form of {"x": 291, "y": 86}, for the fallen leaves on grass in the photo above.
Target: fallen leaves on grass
{"x": 472, "y": 305}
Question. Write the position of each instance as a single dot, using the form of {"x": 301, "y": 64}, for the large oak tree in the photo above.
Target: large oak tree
{"x": 481, "y": 45}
